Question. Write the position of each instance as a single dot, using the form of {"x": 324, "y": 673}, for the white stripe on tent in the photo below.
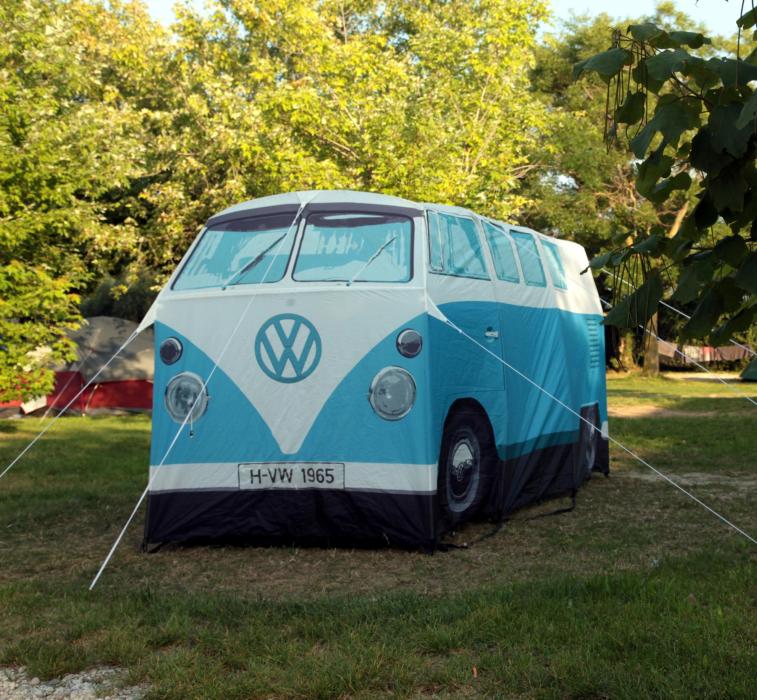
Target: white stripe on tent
{"x": 440, "y": 315}
{"x": 358, "y": 476}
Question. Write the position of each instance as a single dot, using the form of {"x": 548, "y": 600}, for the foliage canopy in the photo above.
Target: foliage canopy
{"x": 697, "y": 138}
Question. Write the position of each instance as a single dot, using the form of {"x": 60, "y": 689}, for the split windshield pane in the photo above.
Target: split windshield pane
{"x": 355, "y": 247}
{"x": 262, "y": 244}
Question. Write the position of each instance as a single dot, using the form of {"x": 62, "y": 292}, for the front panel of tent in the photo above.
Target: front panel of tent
{"x": 249, "y": 468}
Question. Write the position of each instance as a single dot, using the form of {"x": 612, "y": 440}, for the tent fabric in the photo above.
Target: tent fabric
{"x": 286, "y": 444}
{"x": 702, "y": 354}
{"x": 100, "y": 337}
{"x": 750, "y": 371}
{"x": 125, "y": 384}
{"x": 127, "y": 395}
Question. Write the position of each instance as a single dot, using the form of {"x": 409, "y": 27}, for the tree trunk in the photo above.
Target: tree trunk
{"x": 651, "y": 349}
{"x": 625, "y": 351}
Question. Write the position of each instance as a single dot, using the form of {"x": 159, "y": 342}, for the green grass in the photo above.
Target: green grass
{"x": 638, "y": 592}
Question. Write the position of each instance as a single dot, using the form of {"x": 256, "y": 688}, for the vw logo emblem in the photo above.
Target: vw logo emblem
{"x": 288, "y": 348}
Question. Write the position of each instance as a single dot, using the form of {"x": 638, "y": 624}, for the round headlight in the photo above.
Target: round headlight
{"x": 170, "y": 350}
{"x": 409, "y": 342}
{"x": 392, "y": 393}
{"x": 185, "y": 393}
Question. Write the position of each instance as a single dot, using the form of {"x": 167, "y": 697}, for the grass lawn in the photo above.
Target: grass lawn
{"x": 638, "y": 592}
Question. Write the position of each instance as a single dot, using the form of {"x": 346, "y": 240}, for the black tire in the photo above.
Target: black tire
{"x": 588, "y": 443}
{"x": 466, "y": 466}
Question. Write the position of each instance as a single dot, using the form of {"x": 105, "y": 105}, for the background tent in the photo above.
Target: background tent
{"x": 750, "y": 372}
{"x": 125, "y": 384}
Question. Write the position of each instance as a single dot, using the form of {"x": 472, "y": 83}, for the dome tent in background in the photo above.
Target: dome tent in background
{"x": 125, "y": 384}
{"x": 750, "y": 372}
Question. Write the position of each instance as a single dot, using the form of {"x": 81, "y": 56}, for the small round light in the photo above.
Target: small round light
{"x": 392, "y": 393}
{"x": 409, "y": 342}
{"x": 185, "y": 393}
{"x": 170, "y": 350}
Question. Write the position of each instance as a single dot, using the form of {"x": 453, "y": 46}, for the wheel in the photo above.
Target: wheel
{"x": 588, "y": 443}
{"x": 465, "y": 466}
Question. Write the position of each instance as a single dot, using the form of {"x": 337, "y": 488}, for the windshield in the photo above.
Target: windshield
{"x": 342, "y": 247}
{"x": 224, "y": 251}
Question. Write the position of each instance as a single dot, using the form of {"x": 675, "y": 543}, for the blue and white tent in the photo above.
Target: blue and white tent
{"x": 339, "y": 366}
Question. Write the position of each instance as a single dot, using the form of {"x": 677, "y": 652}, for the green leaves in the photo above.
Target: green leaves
{"x": 732, "y": 250}
{"x": 680, "y": 151}
{"x": 606, "y": 64}
{"x": 748, "y": 19}
{"x": 35, "y": 313}
{"x": 632, "y": 110}
{"x": 747, "y": 113}
{"x": 658, "y": 38}
{"x": 746, "y": 277}
{"x": 673, "y": 116}
{"x": 662, "y": 65}
{"x": 705, "y": 316}
{"x": 637, "y": 308}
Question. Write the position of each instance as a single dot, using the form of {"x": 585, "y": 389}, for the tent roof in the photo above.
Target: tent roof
{"x": 295, "y": 199}
{"x": 100, "y": 337}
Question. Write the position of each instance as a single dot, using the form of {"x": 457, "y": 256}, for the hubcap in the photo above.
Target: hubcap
{"x": 462, "y": 474}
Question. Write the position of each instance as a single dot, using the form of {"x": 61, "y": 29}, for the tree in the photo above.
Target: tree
{"x": 422, "y": 100}
{"x": 699, "y": 139}
{"x": 583, "y": 188}
{"x": 68, "y": 142}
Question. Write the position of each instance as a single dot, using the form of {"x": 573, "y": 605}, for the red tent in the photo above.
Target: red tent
{"x": 125, "y": 384}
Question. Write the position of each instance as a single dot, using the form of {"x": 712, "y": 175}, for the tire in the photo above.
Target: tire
{"x": 588, "y": 443}
{"x": 466, "y": 465}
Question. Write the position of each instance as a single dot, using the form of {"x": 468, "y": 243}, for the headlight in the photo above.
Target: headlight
{"x": 170, "y": 350}
{"x": 392, "y": 393}
{"x": 185, "y": 393}
{"x": 409, "y": 342}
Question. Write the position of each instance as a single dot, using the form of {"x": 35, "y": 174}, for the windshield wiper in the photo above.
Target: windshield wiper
{"x": 254, "y": 262}
{"x": 371, "y": 259}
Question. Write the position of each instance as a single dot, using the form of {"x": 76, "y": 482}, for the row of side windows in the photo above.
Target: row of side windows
{"x": 455, "y": 249}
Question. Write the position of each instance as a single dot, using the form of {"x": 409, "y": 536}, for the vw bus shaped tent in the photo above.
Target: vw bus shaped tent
{"x": 334, "y": 366}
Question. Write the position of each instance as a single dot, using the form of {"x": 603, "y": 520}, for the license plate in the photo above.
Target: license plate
{"x": 291, "y": 475}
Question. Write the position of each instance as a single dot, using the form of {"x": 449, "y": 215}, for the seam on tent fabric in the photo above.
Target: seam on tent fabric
{"x": 295, "y": 222}
{"x": 593, "y": 427}
{"x": 673, "y": 308}
{"x": 70, "y": 403}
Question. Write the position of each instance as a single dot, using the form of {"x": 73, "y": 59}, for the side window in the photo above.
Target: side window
{"x": 454, "y": 246}
{"x": 502, "y": 253}
{"x": 530, "y": 262}
{"x": 554, "y": 263}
